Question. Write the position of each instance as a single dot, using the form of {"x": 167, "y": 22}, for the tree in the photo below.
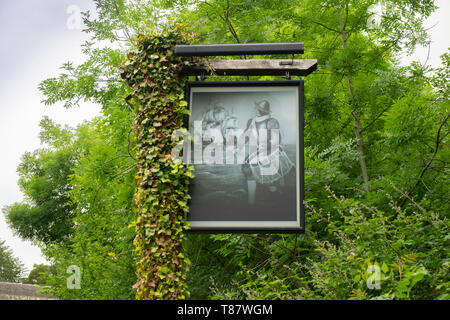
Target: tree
{"x": 103, "y": 184}
{"x": 87, "y": 181}
{"x": 40, "y": 274}
{"x": 46, "y": 215}
{"x": 376, "y": 159}
{"x": 11, "y": 269}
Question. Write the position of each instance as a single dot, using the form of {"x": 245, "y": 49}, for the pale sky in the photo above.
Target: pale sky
{"x": 35, "y": 41}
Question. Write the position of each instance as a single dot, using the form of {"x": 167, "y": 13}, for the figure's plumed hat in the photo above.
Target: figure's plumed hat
{"x": 263, "y": 106}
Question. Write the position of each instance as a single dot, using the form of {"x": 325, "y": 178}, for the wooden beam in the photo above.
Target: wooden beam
{"x": 255, "y": 67}
{"x": 231, "y": 49}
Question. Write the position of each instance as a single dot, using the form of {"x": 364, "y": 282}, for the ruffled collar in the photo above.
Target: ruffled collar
{"x": 262, "y": 118}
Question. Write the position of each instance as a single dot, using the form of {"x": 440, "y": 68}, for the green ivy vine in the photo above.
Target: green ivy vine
{"x": 153, "y": 74}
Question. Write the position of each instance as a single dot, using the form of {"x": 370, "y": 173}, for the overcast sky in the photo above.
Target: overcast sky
{"x": 34, "y": 42}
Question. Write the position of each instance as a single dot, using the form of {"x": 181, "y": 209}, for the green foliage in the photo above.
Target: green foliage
{"x": 79, "y": 190}
{"x": 410, "y": 251}
{"x": 208, "y": 269}
{"x": 152, "y": 72}
{"x": 11, "y": 269}
{"x": 46, "y": 214}
{"x": 101, "y": 244}
{"x": 40, "y": 274}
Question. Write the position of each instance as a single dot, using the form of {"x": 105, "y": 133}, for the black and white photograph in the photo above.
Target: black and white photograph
{"x": 246, "y": 149}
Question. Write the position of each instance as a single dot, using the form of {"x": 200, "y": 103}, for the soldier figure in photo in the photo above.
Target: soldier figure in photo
{"x": 255, "y": 169}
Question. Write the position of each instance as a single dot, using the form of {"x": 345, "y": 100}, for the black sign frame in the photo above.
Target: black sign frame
{"x": 244, "y": 226}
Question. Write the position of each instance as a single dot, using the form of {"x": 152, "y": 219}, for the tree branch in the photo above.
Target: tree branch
{"x": 126, "y": 170}
{"x": 324, "y": 26}
{"x": 419, "y": 179}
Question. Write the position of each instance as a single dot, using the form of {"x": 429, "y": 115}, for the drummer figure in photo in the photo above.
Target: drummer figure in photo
{"x": 254, "y": 170}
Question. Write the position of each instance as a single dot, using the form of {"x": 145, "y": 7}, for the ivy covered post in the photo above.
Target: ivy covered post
{"x": 157, "y": 93}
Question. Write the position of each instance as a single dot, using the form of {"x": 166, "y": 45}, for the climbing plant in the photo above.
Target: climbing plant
{"x": 153, "y": 74}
